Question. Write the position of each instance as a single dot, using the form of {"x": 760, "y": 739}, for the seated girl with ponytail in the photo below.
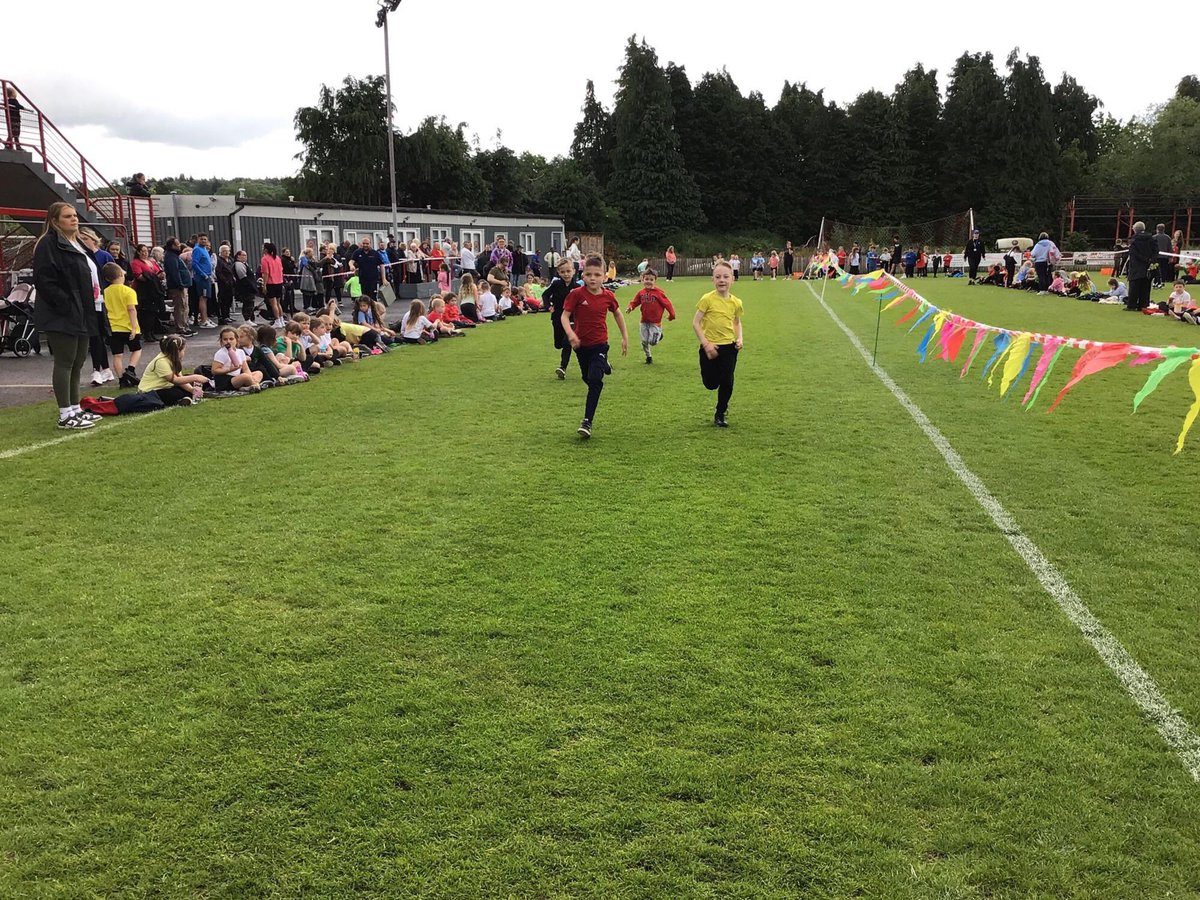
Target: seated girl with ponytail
{"x": 164, "y": 376}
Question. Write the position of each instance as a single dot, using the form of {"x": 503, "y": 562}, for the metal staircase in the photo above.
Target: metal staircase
{"x": 39, "y": 165}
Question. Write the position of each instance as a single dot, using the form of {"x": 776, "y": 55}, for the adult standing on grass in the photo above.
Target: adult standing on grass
{"x": 1143, "y": 254}
{"x": 68, "y": 285}
{"x": 1044, "y": 255}
{"x": 973, "y": 254}
{"x": 789, "y": 260}
{"x": 1166, "y": 267}
{"x": 718, "y": 324}
{"x": 671, "y": 259}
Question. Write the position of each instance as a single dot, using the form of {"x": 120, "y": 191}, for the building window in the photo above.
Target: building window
{"x": 439, "y": 235}
{"x": 500, "y": 234}
{"x": 528, "y": 241}
{"x": 320, "y": 236}
{"x": 475, "y": 236}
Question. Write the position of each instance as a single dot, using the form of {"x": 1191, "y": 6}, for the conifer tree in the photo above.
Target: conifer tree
{"x": 592, "y": 146}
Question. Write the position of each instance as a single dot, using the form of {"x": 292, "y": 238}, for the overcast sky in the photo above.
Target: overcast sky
{"x": 220, "y": 101}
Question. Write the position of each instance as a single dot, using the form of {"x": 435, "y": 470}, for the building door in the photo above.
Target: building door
{"x": 319, "y": 235}
{"x": 475, "y": 236}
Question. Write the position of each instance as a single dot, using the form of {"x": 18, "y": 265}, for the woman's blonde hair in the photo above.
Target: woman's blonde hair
{"x": 52, "y": 215}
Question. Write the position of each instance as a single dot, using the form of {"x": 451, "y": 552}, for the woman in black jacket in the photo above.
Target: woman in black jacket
{"x": 67, "y": 285}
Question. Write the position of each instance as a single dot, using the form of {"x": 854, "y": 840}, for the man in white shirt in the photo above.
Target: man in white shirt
{"x": 467, "y": 262}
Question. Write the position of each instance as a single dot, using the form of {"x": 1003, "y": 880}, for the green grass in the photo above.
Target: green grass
{"x": 399, "y": 632}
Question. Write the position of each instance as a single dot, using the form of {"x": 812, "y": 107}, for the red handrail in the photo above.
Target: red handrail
{"x": 58, "y": 156}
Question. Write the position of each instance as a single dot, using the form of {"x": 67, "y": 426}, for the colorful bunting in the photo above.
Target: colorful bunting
{"x": 1013, "y": 351}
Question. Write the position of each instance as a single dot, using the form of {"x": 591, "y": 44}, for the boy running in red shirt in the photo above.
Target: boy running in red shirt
{"x": 653, "y": 302}
{"x": 589, "y": 307}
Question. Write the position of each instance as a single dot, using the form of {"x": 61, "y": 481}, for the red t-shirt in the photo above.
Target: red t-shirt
{"x": 589, "y": 313}
{"x": 653, "y": 301}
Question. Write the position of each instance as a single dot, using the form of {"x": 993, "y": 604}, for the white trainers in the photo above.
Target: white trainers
{"x": 97, "y": 378}
{"x": 109, "y": 376}
{"x": 75, "y": 423}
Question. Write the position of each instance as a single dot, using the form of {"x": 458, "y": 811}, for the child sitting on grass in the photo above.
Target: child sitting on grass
{"x": 164, "y": 376}
{"x": 489, "y": 309}
{"x": 291, "y": 348}
{"x": 509, "y": 306}
{"x": 325, "y": 348}
{"x": 231, "y": 368}
{"x": 437, "y": 315}
{"x": 452, "y": 313}
{"x": 264, "y": 349}
{"x": 416, "y": 329}
{"x": 1180, "y": 304}
{"x": 1058, "y": 285}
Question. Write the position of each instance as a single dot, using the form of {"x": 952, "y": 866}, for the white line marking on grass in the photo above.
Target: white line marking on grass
{"x": 102, "y": 428}
{"x": 1137, "y": 682}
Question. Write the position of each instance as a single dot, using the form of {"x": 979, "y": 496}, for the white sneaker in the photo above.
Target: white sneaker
{"x": 109, "y": 376}
{"x": 208, "y": 323}
{"x": 97, "y": 378}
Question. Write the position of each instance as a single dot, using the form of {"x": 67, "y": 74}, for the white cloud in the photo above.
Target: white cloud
{"x": 214, "y": 92}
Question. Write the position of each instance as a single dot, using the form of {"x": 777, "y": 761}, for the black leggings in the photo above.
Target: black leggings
{"x": 717, "y": 374}
{"x": 224, "y": 301}
{"x": 173, "y": 395}
{"x": 70, "y": 352}
{"x": 469, "y": 310}
{"x": 788, "y": 262}
{"x": 670, "y": 271}
{"x": 972, "y": 268}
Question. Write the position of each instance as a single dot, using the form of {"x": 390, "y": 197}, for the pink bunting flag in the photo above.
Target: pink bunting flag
{"x": 1095, "y": 359}
{"x": 979, "y": 338}
{"x": 1049, "y": 348}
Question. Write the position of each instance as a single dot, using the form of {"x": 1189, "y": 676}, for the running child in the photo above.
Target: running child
{"x": 653, "y": 302}
{"x": 718, "y": 324}
{"x": 555, "y": 296}
{"x": 585, "y": 321}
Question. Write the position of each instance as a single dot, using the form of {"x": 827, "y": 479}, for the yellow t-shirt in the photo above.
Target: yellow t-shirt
{"x": 117, "y": 300}
{"x": 353, "y": 333}
{"x": 719, "y": 314}
{"x": 157, "y": 375}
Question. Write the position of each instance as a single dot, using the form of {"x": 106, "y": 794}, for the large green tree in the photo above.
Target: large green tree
{"x": 921, "y": 149}
{"x": 975, "y": 170}
{"x": 344, "y": 144}
{"x": 434, "y": 167}
{"x": 650, "y": 183}
{"x": 1033, "y": 200}
{"x": 592, "y": 145}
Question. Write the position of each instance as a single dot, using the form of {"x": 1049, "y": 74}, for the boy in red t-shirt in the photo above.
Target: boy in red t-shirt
{"x": 653, "y": 302}
{"x": 585, "y": 321}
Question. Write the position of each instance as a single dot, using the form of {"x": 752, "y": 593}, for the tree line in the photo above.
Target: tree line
{"x": 674, "y": 157}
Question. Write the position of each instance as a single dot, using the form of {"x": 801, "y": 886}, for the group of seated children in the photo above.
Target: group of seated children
{"x": 492, "y": 301}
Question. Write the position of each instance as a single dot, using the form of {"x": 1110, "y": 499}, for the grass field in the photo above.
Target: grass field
{"x": 400, "y": 632}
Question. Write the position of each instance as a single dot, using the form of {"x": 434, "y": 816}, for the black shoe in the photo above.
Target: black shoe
{"x": 649, "y": 360}
{"x": 127, "y": 381}
{"x": 561, "y": 373}
{"x": 75, "y": 423}
{"x": 585, "y": 428}
{"x": 719, "y": 420}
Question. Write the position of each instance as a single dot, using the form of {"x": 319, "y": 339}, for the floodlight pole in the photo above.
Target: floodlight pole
{"x": 382, "y": 21}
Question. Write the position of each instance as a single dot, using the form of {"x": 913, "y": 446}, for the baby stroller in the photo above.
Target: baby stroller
{"x": 17, "y": 332}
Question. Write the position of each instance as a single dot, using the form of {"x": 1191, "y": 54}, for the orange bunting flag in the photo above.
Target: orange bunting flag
{"x": 955, "y": 342}
{"x": 912, "y": 312}
{"x": 1194, "y": 381}
{"x": 1095, "y": 359}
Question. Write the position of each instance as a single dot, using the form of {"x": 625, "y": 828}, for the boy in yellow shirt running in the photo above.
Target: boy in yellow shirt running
{"x": 718, "y": 324}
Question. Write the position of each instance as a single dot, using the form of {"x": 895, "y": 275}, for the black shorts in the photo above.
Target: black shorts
{"x": 119, "y": 340}
{"x": 758, "y": 268}
{"x": 275, "y": 291}
{"x": 224, "y": 382}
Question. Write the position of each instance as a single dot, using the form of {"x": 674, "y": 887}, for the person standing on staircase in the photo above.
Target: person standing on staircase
{"x": 137, "y": 186}
{"x": 14, "y": 107}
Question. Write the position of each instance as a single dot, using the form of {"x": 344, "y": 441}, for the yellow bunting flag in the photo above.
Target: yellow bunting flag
{"x": 1194, "y": 381}
{"x": 1015, "y": 361}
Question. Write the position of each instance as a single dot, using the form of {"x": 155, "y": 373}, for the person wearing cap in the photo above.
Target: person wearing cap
{"x": 973, "y": 255}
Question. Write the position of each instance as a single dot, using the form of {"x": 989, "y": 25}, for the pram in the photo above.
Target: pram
{"x": 18, "y": 335}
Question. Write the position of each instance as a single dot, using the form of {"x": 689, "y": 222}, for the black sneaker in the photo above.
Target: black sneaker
{"x": 127, "y": 381}
{"x": 88, "y": 416}
{"x": 585, "y": 428}
{"x": 561, "y": 373}
{"x": 75, "y": 423}
{"x": 719, "y": 420}
{"x": 649, "y": 360}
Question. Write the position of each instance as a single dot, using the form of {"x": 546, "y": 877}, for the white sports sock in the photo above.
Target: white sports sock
{"x": 64, "y": 412}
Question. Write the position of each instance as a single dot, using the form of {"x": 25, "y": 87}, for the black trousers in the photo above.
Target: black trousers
{"x": 717, "y": 374}
{"x": 788, "y": 263}
{"x": 1043, "y": 274}
{"x": 1139, "y": 293}
{"x": 670, "y": 271}
{"x": 1166, "y": 271}
{"x": 224, "y": 301}
{"x": 972, "y": 268}
{"x": 593, "y": 366}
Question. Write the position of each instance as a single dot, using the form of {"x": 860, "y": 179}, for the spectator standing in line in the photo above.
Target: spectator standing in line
{"x": 1143, "y": 254}
{"x": 1166, "y": 262}
{"x": 137, "y": 186}
{"x": 466, "y": 262}
{"x": 14, "y": 107}
{"x": 973, "y": 254}
{"x": 574, "y": 254}
{"x": 68, "y": 285}
{"x": 368, "y": 265}
{"x": 202, "y": 280}
{"x": 789, "y": 260}
{"x": 226, "y": 278}
{"x": 897, "y": 255}
{"x": 179, "y": 279}
{"x": 501, "y": 252}
{"x": 520, "y": 265}
{"x": 1044, "y": 256}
